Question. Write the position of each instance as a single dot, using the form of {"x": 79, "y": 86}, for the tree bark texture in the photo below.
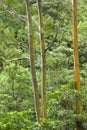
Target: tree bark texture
{"x": 76, "y": 59}
{"x": 32, "y": 61}
{"x": 43, "y": 61}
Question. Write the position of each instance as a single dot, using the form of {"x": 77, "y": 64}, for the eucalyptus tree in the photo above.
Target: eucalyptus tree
{"x": 43, "y": 61}
{"x": 32, "y": 60}
{"x": 76, "y": 61}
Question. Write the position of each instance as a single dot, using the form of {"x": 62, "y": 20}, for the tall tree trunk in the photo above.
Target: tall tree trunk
{"x": 76, "y": 60}
{"x": 32, "y": 61}
{"x": 43, "y": 61}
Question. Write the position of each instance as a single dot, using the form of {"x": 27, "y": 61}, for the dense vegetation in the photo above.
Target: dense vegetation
{"x": 17, "y": 110}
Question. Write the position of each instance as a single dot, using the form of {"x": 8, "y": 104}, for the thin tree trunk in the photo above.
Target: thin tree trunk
{"x": 32, "y": 61}
{"x": 76, "y": 60}
{"x": 43, "y": 61}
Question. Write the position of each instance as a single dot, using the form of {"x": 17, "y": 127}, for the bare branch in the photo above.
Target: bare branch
{"x": 12, "y": 12}
{"x": 22, "y": 18}
{"x": 14, "y": 59}
{"x": 38, "y": 66}
{"x": 52, "y": 44}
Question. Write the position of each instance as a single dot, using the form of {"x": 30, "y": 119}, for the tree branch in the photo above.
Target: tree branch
{"x": 12, "y": 12}
{"x": 38, "y": 66}
{"x": 22, "y": 18}
{"x": 14, "y": 59}
{"x": 51, "y": 45}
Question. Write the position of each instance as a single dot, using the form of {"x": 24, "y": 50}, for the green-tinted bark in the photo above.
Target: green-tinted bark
{"x": 32, "y": 61}
{"x": 43, "y": 61}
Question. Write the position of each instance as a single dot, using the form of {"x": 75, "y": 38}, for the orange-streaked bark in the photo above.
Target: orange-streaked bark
{"x": 43, "y": 62}
{"x": 76, "y": 57}
{"x": 32, "y": 61}
{"x": 76, "y": 61}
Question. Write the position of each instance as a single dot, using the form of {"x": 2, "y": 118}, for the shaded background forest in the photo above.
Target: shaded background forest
{"x": 16, "y": 92}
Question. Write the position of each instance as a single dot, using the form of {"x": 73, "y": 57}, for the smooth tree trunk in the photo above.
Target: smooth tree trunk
{"x": 43, "y": 62}
{"x": 76, "y": 61}
{"x": 32, "y": 61}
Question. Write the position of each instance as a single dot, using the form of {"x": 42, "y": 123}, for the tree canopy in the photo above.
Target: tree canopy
{"x": 37, "y": 60}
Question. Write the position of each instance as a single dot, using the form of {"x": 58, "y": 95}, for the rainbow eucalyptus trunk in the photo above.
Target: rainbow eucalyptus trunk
{"x": 32, "y": 61}
{"x": 43, "y": 61}
{"x": 76, "y": 61}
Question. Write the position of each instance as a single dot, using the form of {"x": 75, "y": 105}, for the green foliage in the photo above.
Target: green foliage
{"x": 18, "y": 120}
{"x": 16, "y": 92}
{"x": 14, "y": 96}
